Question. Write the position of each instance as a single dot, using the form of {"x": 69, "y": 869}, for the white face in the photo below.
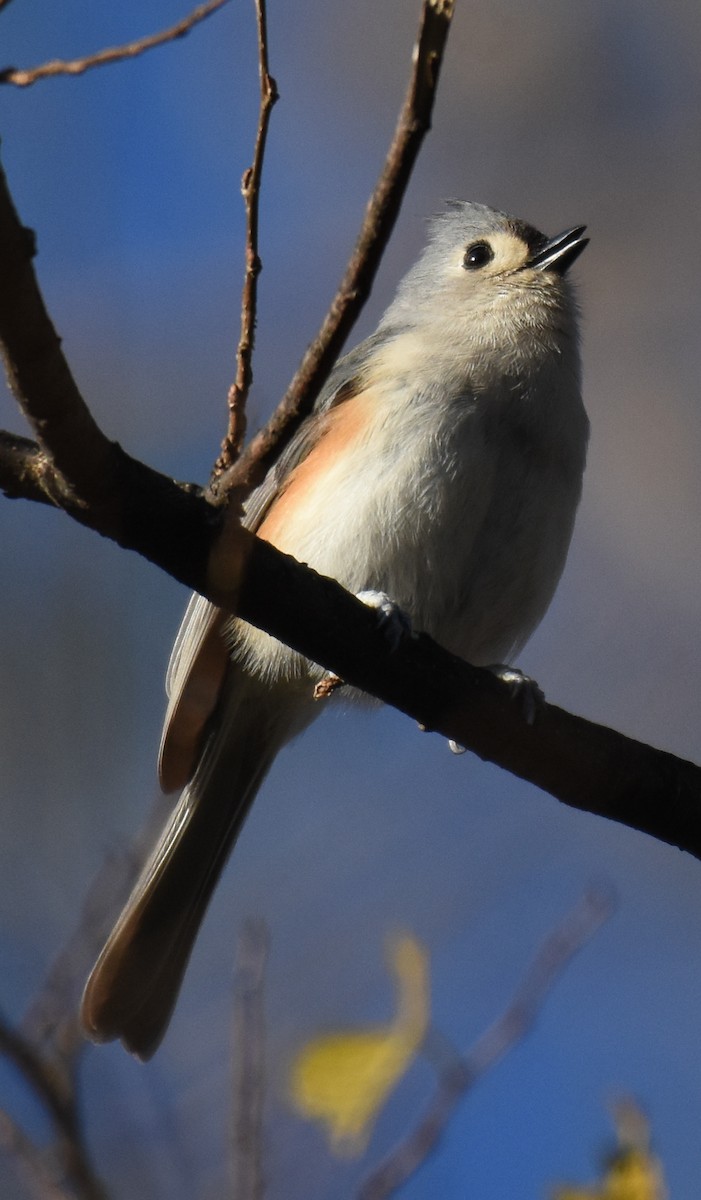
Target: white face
{"x": 497, "y": 254}
{"x": 486, "y": 296}
{"x": 489, "y": 297}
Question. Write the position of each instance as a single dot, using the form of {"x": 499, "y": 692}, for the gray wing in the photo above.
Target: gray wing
{"x": 341, "y": 383}
{"x": 199, "y": 659}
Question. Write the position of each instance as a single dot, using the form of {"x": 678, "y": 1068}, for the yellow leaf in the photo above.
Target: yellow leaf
{"x": 576, "y": 1194}
{"x": 633, "y": 1172}
{"x": 343, "y": 1079}
{"x": 634, "y": 1175}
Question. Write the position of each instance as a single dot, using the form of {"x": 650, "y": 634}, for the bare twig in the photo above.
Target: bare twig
{"x": 37, "y": 371}
{"x": 559, "y": 947}
{"x": 78, "y": 66}
{"x": 249, "y": 1050}
{"x": 50, "y": 1084}
{"x": 53, "y": 1087}
{"x": 52, "y": 1021}
{"x": 250, "y": 189}
{"x": 30, "y": 1162}
{"x": 463, "y": 1072}
{"x": 381, "y": 214}
{"x": 74, "y": 465}
{"x": 47, "y": 1046}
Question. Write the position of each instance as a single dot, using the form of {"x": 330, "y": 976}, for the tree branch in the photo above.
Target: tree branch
{"x": 354, "y": 289}
{"x": 249, "y": 1053}
{"x": 30, "y": 1162}
{"x": 585, "y": 765}
{"x": 250, "y": 189}
{"x": 462, "y": 1072}
{"x": 74, "y": 465}
{"x": 78, "y": 66}
{"x": 24, "y": 469}
{"x": 53, "y": 1087}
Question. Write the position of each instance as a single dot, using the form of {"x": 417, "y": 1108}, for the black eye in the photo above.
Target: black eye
{"x": 477, "y": 255}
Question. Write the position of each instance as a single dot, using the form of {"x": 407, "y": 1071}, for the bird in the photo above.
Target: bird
{"x": 441, "y": 467}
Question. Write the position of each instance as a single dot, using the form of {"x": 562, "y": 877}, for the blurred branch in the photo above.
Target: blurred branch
{"x": 78, "y": 66}
{"x": 49, "y": 1042}
{"x": 461, "y": 1073}
{"x": 249, "y": 1051}
{"x": 53, "y": 1086}
{"x": 30, "y": 1161}
{"x": 52, "y": 1021}
{"x": 354, "y": 289}
{"x": 250, "y": 189}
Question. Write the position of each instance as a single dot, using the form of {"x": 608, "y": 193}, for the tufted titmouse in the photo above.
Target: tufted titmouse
{"x": 442, "y": 464}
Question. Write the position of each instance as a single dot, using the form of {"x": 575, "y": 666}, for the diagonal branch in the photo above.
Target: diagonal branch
{"x": 582, "y": 764}
{"x": 354, "y": 289}
{"x": 37, "y": 371}
{"x": 30, "y": 1162}
{"x": 27, "y": 472}
{"x": 250, "y": 189}
{"x": 74, "y": 465}
{"x": 462, "y": 1072}
{"x": 53, "y": 1087}
{"x": 78, "y": 66}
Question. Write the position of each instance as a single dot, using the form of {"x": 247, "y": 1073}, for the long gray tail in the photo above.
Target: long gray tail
{"x": 135, "y": 983}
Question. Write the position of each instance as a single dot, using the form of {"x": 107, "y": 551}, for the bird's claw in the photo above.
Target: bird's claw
{"x": 394, "y": 622}
{"x": 524, "y": 690}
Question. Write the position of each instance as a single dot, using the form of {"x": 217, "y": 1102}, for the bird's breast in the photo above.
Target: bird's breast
{"x": 456, "y": 506}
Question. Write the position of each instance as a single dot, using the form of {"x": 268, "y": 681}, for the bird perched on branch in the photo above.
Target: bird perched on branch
{"x": 442, "y": 466}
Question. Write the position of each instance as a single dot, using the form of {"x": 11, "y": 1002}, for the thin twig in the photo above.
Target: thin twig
{"x": 47, "y": 1046}
{"x": 30, "y": 1161}
{"x": 249, "y": 1049}
{"x": 78, "y": 66}
{"x": 49, "y": 1084}
{"x": 53, "y": 1087}
{"x": 250, "y": 190}
{"x": 463, "y": 1072}
{"x": 52, "y": 1020}
{"x": 381, "y": 214}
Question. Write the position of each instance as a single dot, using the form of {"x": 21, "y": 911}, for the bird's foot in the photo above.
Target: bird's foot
{"x": 394, "y": 622}
{"x": 524, "y": 690}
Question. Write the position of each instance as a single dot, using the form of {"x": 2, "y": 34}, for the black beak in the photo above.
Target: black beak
{"x": 558, "y": 253}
